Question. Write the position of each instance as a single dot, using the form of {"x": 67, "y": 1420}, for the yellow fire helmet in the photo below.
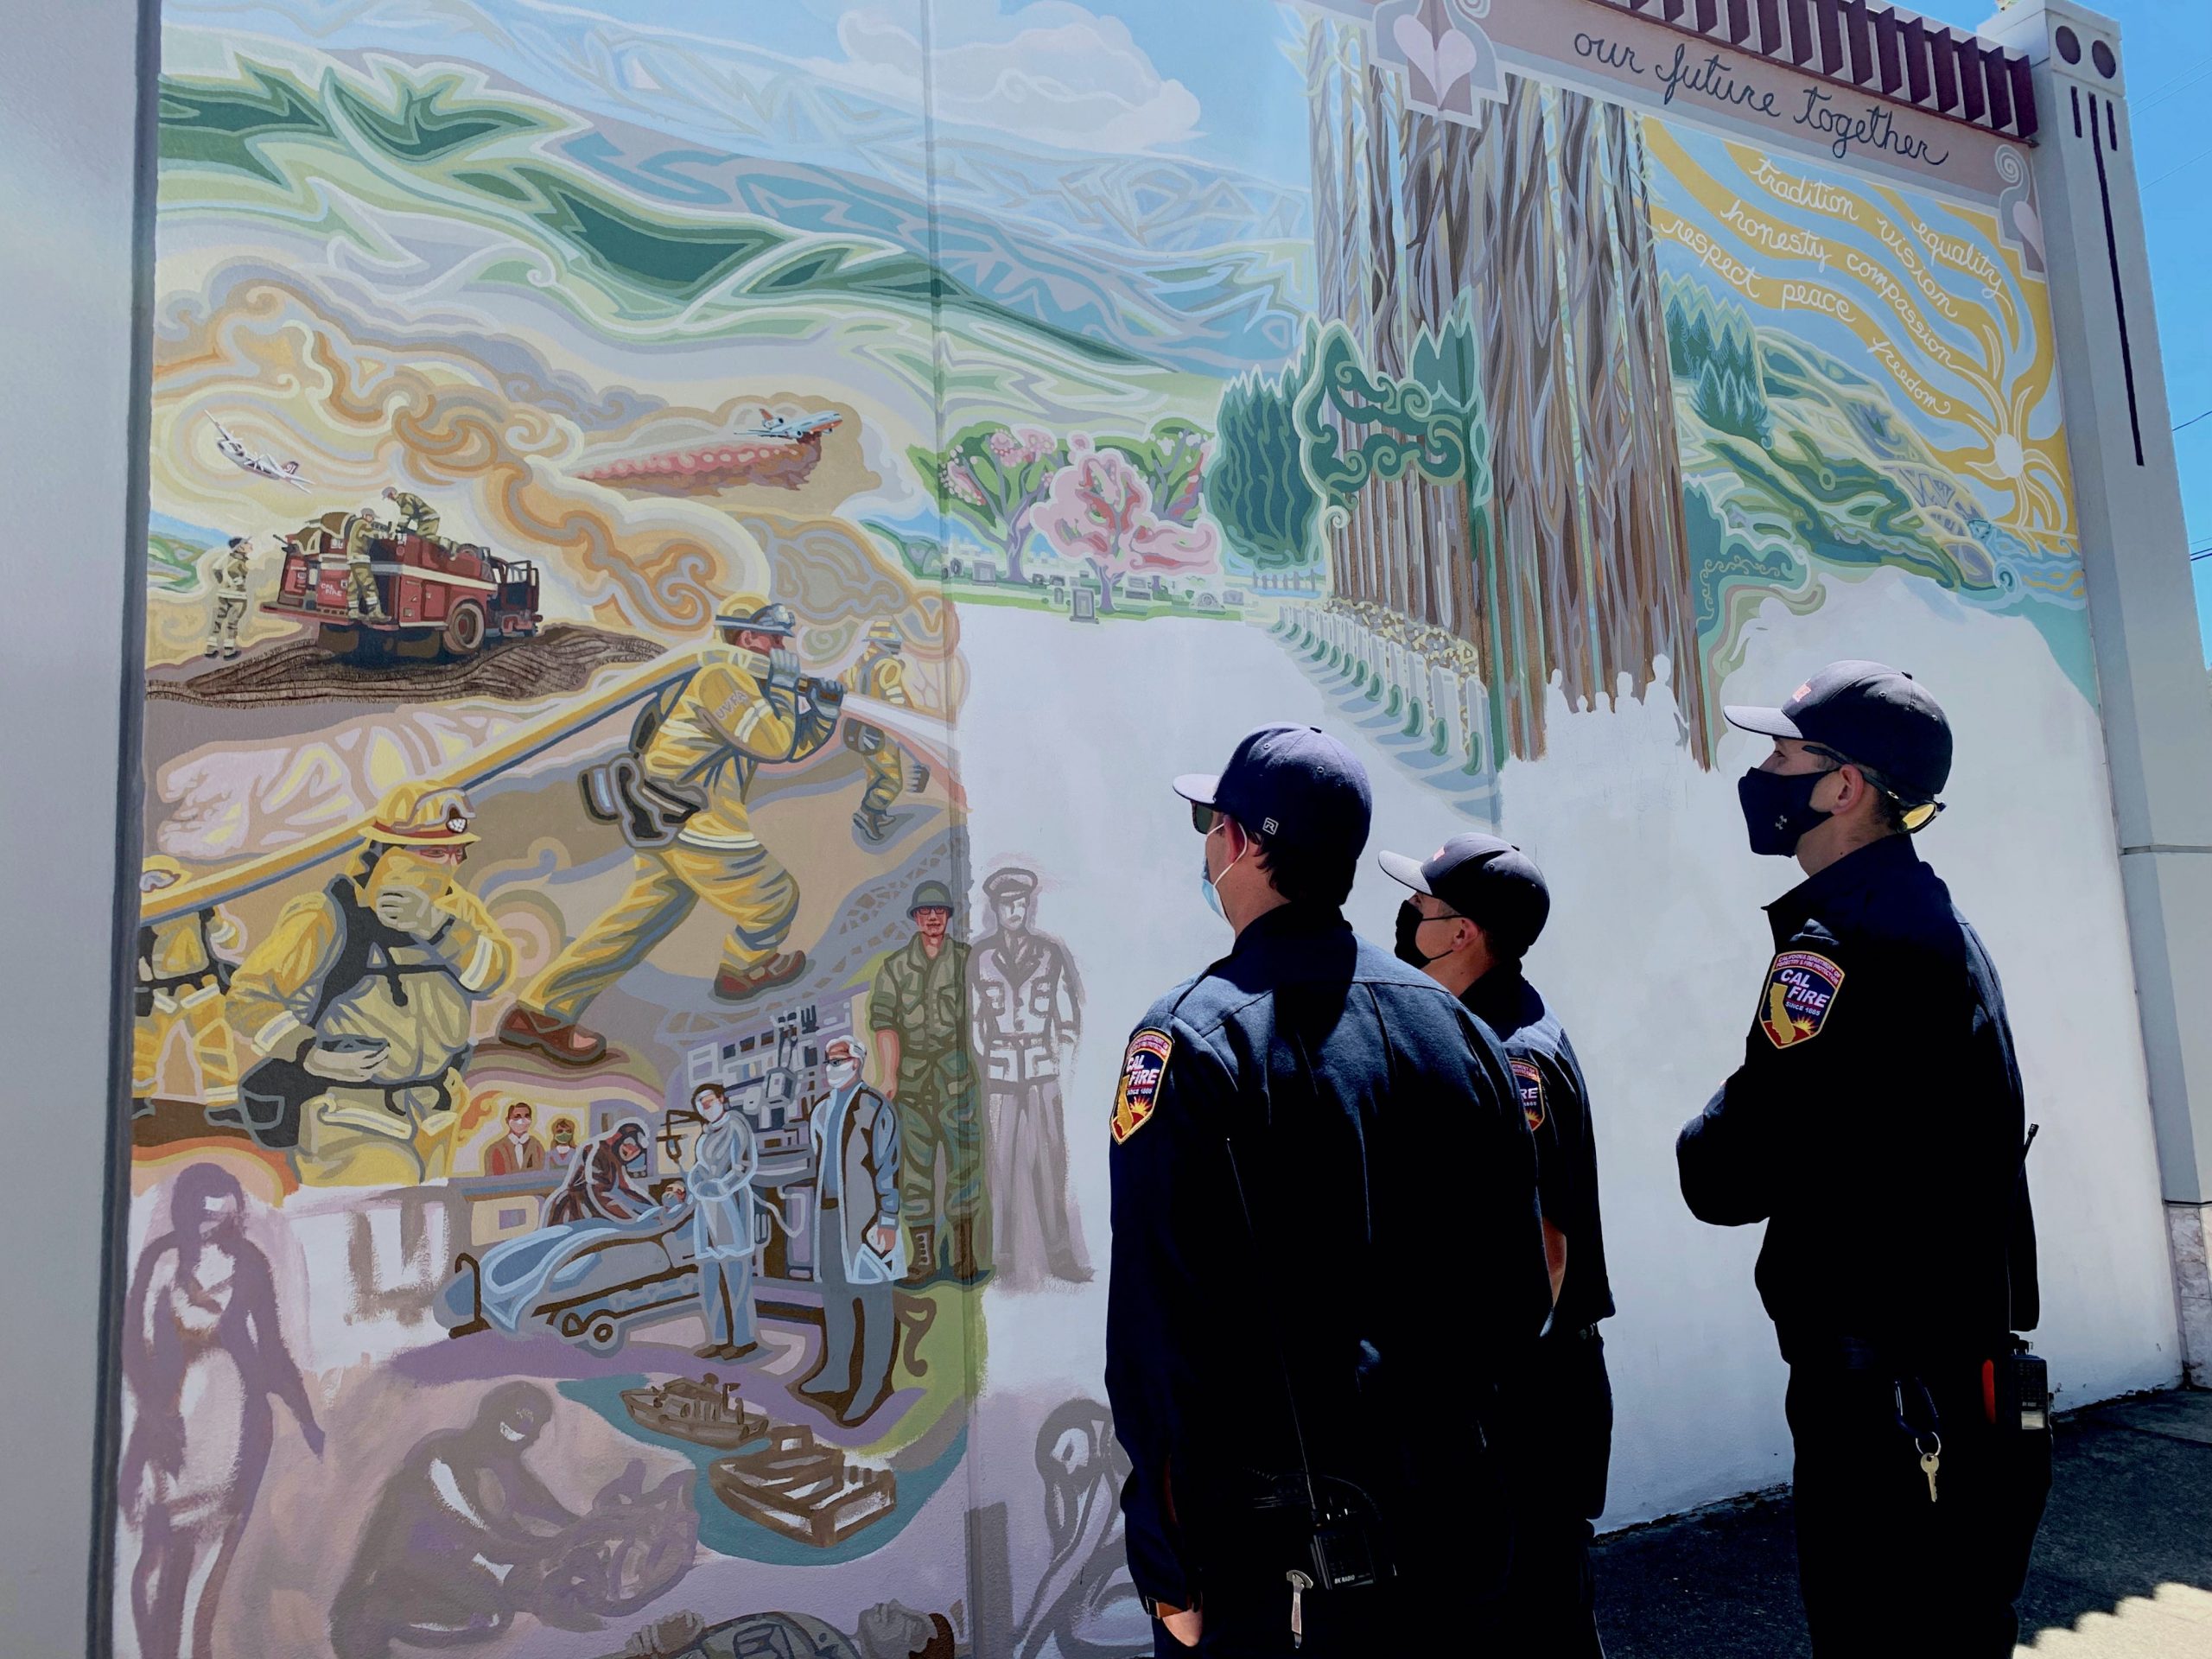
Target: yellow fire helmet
{"x": 422, "y": 815}
{"x": 159, "y": 871}
{"x": 886, "y": 634}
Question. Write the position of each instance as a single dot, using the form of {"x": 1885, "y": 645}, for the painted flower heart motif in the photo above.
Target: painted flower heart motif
{"x": 1438, "y": 56}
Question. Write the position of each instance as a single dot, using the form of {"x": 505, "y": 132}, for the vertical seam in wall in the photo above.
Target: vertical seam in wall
{"x": 972, "y": 1334}
{"x": 2119, "y": 299}
{"x": 115, "y": 1208}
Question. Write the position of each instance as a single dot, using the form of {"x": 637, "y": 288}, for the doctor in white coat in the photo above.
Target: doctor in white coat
{"x": 857, "y": 1254}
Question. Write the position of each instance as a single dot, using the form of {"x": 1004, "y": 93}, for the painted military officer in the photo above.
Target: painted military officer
{"x": 918, "y": 1008}
{"x": 1027, "y": 1006}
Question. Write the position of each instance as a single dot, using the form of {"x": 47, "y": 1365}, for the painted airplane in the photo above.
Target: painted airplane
{"x": 253, "y": 461}
{"x": 780, "y": 426}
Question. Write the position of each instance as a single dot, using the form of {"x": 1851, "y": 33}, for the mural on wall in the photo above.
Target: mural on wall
{"x": 609, "y": 1126}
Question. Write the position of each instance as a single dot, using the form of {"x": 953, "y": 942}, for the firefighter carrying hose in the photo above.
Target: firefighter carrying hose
{"x": 360, "y": 1002}
{"x": 880, "y": 674}
{"x": 679, "y": 797}
{"x": 181, "y": 981}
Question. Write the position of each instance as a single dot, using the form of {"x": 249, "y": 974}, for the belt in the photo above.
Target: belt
{"x": 1580, "y": 1334}
{"x": 1856, "y": 1356}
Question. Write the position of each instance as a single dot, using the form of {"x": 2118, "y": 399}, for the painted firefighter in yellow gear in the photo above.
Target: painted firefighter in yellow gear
{"x": 232, "y": 571}
{"x": 691, "y": 766}
{"x": 361, "y": 1002}
{"x": 416, "y": 516}
{"x": 880, "y": 674}
{"x": 181, "y": 981}
{"x": 362, "y": 599}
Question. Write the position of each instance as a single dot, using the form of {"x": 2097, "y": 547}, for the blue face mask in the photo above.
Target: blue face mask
{"x": 1213, "y": 894}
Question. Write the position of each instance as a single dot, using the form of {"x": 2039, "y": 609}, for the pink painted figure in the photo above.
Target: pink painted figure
{"x": 204, "y": 1358}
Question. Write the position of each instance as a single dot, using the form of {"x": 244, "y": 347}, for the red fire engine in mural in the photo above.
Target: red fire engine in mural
{"x": 376, "y": 588}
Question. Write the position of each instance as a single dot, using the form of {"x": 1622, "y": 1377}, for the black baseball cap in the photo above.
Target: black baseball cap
{"x": 1294, "y": 784}
{"x": 1491, "y": 882}
{"x": 1875, "y": 717}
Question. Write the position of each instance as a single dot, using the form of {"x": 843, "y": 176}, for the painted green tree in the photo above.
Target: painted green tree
{"x": 991, "y": 479}
{"x": 1259, "y": 491}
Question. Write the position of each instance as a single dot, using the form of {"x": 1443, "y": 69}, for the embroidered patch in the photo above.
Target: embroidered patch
{"x": 1140, "y": 1086}
{"x": 1801, "y": 989}
{"x": 1531, "y": 1079}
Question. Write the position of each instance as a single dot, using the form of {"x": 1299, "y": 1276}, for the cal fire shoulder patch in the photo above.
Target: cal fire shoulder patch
{"x": 1530, "y": 1077}
{"x": 1800, "y": 991}
{"x": 1140, "y": 1086}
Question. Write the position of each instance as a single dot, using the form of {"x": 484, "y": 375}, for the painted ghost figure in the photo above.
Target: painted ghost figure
{"x": 1027, "y": 1006}
{"x": 203, "y": 1357}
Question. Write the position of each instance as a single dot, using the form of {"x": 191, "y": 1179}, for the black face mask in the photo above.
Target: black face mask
{"x": 1778, "y": 809}
{"x": 1408, "y": 947}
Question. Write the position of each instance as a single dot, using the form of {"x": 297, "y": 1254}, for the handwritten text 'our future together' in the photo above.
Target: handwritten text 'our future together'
{"x": 1716, "y": 78}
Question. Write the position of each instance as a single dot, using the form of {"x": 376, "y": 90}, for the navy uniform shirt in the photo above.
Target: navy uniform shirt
{"x": 1394, "y": 1263}
{"x": 1876, "y": 1123}
{"x": 1556, "y": 1103}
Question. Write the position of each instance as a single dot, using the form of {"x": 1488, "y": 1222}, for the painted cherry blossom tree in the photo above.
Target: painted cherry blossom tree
{"x": 993, "y": 478}
{"x": 1099, "y": 508}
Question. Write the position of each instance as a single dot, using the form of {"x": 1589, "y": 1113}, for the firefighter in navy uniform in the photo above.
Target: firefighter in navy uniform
{"x": 1477, "y": 906}
{"x": 1877, "y": 1126}
{"x": 1326, "y": 1253}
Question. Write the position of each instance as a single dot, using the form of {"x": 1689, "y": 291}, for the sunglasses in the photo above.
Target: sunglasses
{"x": 1203, "y": 818}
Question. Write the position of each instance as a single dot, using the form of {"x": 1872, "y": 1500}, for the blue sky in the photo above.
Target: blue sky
{"x": 2166, "y": 47}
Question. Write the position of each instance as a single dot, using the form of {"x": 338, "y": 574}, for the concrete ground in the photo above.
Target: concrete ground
{"x": 2122, "y": 1569}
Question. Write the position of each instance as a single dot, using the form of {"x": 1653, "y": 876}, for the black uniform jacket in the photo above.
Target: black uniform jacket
{"x": 1876, "y": 1124}
{"x": 1392, "y": 1268}
{"x": 1556, "y": 1103}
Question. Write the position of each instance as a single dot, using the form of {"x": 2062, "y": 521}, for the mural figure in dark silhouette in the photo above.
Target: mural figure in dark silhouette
{"x": 464, "y": 1539}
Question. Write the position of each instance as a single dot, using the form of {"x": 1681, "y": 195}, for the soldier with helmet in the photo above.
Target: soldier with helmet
{"x": 880, "y": 674}
{"x": 679, "y": 797}
{"x": 918, "y": 1009}
{"x": 360, "y": 1002}
{"x": 181, "y": 978}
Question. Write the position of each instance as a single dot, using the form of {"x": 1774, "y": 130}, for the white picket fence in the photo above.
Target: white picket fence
{"x": 1436, "y": 700}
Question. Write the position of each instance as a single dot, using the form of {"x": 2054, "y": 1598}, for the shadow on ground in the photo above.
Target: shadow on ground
{"x": 2123, "y": 1565}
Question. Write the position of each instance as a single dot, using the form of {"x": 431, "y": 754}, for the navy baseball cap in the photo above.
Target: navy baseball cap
{"x": 1491, "y": 882}
{"x": 1872, "y": 716}
{"x": 1294, "y": 784}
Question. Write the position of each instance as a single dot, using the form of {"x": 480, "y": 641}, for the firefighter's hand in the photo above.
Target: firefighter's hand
{"x": 829, "y": 696}
{"x": 345, "y": 1064}
{"x": 409, "y": 910}
{"x": 783, "y": 670}
{"x": 919, "y": 779}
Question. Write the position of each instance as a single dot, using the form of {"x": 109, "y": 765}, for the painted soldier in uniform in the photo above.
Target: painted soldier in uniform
{"x": 182, "y": 981}
{"x": 918, "y": 1008}
{"x": 857, "y": 1152}
{"x": 1028, "y": 1007}
{"x": 230, "y": 599}
{"x": 880, "y": 674}
{"x": 416, "y": 516}
{"x": 694, "y": 759}
{"x": 361, "y": 998}
{"x": 723, "y": 1229}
